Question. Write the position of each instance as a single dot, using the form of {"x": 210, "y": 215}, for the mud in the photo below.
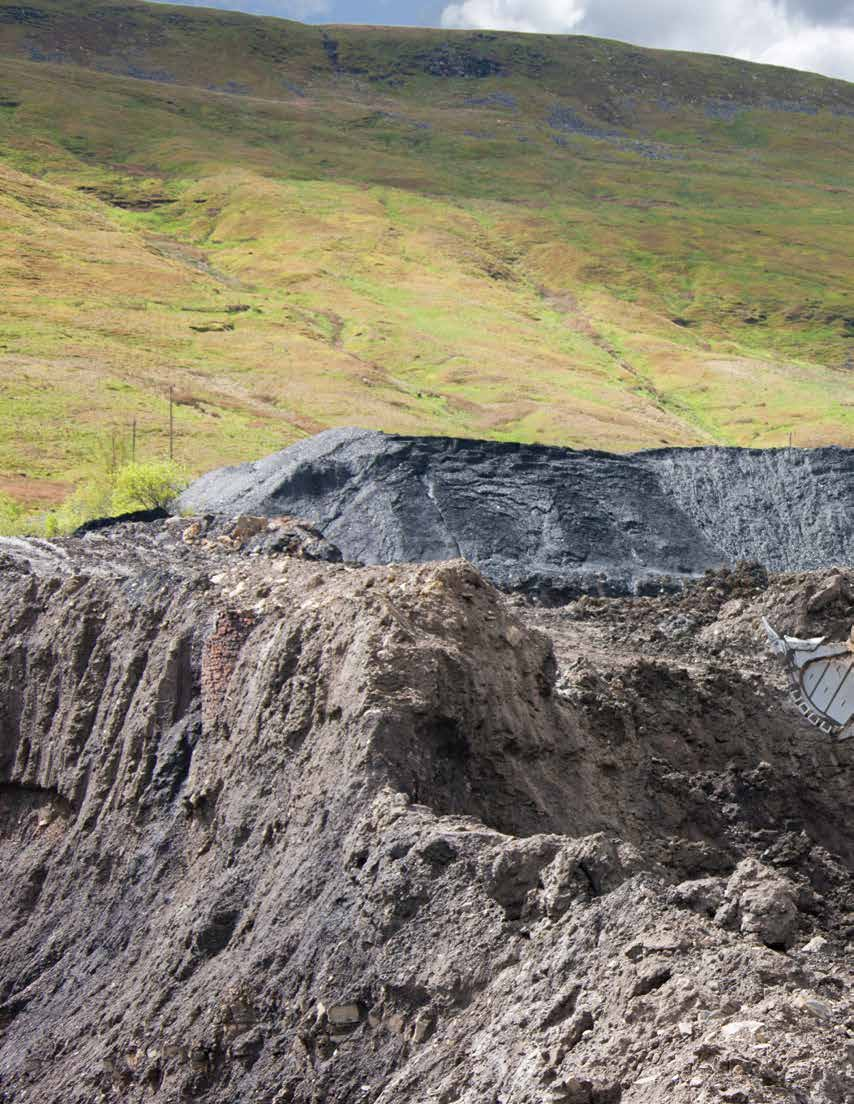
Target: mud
{"x": 287, "y": 829}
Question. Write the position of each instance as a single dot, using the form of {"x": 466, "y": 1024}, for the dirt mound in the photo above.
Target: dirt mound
{"x": 553, "y": 522}
{"x": 284, "y": 829}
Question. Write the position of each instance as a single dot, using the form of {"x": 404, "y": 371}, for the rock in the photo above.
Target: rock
{"x": 754, "y": 1029}
{"x": 762, "y": 903}
{"x": 816, "y": 1007}
{"x": 577, "y": 1028}
{"x": 817, "y": 945}
{"x": 248, "y": 1045}
{"x": 837, "y": 589}
{"x": 576, "y": 1090}
{"x": 344, "y": 1015}
{"x": 422, "y": 1028}
{"x": 515, "y": 873}
{"x": 703, "y": 895}
{"x": 651, "y": 975}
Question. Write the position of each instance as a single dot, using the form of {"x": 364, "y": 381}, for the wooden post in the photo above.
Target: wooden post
{"x": 171, "y": 423}
{"x": 133, "y": 442}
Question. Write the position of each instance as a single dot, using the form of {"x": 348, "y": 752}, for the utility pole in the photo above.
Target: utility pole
{"x": 171, "y": 423}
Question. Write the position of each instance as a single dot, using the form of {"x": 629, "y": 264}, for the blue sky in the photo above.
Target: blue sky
{"x": 805, "y": 34}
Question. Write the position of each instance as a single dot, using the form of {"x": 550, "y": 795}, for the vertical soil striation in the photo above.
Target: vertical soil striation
{"x": 279, "y": 828}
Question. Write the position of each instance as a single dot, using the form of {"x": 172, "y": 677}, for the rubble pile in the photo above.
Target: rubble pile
{"x": 279, "y": 827}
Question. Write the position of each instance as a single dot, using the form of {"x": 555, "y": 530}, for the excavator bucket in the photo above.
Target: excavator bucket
{"x": 821, "y": 679}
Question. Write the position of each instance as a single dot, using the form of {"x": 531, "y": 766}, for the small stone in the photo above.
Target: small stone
{"x": 817, "y": 944}
{"x": 754, "y": 1028}
{"x": 818, "y": 1008}
{"x": 344, "y": 1015}
{"x": 685, "y": 1029}
{"x": 423, "y": 1027}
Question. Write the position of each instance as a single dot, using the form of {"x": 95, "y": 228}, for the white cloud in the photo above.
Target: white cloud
{"x": 820, "y": 49}
{"x": 546, "y": 16}
{"x": 771, "y": 31}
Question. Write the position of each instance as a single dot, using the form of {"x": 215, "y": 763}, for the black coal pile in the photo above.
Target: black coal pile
{"x": 553, "y": 522}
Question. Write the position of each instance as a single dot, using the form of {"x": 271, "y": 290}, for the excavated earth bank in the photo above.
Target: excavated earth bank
{"x": 554, "y": 522}
{"x": 276, "y": 828}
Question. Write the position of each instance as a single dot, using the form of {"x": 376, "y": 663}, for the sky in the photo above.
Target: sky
{"x": 804, "y": 34}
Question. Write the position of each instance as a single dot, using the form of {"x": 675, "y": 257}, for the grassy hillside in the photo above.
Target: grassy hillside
{"x": 541, "y": 238}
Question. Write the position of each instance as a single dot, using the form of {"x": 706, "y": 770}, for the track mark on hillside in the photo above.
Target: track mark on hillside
{"x": 576, "y": 318}
{"x": 192, "y": 257}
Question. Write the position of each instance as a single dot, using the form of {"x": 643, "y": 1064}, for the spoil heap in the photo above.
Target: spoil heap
{"x": 280, "y": 828}
{"x": 553, "y": 522}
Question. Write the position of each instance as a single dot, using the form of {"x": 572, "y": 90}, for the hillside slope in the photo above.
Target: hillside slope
{"x": 547, "y": 239}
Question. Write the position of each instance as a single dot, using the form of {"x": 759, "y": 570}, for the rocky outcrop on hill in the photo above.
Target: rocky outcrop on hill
{"x": 553, "y": 522}
{"x": 275, "y": 827}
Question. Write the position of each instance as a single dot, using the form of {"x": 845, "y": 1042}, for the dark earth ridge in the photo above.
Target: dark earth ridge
{"x": 552, "y": 522}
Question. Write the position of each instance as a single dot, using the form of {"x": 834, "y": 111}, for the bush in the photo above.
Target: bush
{"x": 142, "y": 486}
{"x": 10, "y": 516}
{"x": 146, "y": 486}
{"x": 91, "y": 499}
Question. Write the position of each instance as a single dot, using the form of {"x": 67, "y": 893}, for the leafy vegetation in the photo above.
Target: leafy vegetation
{"x": 107, "y": 493}
{"x": 150, "y": 486}
{"x": 524, "y": 237}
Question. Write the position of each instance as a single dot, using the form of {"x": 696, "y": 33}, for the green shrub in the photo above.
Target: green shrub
{"x": 10, "y": 516}
{"x": 146, "y": 486}
{"x": 134, "y": 486}
{"x": 90, "y": 500}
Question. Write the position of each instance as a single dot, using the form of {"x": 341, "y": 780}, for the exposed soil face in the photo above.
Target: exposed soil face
{"x": 281, "y": 828}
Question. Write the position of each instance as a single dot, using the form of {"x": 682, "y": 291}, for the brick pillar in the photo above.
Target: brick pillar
{"x": 219, "y": 659}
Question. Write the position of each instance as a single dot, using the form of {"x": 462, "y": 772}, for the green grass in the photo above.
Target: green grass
{"x": 387, "y": 252}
